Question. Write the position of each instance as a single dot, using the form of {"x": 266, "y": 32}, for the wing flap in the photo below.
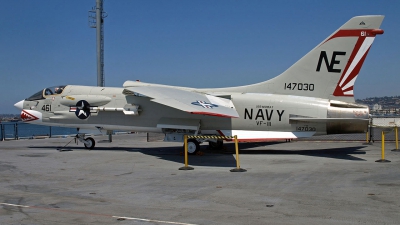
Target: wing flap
{"x": 187, "y": 100}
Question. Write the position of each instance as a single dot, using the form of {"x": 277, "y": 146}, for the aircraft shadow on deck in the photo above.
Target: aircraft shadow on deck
{"x": 346, "y": 153}
{"x": 226, "y": 158}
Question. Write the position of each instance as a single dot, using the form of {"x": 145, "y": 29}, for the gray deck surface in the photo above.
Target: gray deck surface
{"x": 285, "y": 183}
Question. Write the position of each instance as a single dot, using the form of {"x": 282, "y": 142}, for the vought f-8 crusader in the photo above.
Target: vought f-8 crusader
{"x": 312, "y": 97}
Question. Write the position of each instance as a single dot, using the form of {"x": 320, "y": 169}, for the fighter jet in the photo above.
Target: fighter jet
{"x": 312, "y": 97}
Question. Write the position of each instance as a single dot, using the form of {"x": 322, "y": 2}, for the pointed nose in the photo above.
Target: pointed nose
{"x": 20, "y": 104}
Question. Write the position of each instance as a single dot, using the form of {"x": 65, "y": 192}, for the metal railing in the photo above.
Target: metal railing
{"x": 15, "y": 131}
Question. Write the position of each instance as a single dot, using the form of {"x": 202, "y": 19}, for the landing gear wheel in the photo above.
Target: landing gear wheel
{"x": 193, "y": 146}
{"x": 90, "y": 143}
{"x": 216, "y": 145}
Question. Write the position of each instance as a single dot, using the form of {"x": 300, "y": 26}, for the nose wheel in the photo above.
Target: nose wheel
{"x": 89, "y": 143}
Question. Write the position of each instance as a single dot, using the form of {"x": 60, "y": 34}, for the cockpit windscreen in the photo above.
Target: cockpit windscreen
{"x": 47, "y": 92}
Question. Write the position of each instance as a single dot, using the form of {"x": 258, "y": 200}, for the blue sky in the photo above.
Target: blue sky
{"x": 183, "y": 43}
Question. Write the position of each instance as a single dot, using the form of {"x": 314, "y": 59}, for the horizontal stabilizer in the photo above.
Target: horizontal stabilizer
{"x": 185, "y": 100}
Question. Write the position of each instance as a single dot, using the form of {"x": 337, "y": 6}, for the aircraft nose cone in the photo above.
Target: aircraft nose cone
{"x": 20, "y": 104}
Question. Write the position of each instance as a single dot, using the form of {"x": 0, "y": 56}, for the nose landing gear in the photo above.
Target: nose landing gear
{"x": 88, "y": 142}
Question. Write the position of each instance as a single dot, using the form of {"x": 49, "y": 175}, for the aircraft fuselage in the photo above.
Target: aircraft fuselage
{"x": 257, "y": 113}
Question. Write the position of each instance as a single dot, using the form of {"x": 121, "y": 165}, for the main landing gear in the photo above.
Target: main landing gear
{"x": 193, "y": 146}
{"x": 88, "y": 142}
{"x": 216, "y": 145}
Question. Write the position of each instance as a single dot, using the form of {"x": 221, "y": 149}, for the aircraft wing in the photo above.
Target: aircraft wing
{"x": 186, "y": 100}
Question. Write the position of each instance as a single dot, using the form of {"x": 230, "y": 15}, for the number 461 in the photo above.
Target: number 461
{"x": 46, "y": 108}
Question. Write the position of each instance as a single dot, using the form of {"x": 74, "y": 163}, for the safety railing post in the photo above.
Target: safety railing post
{"x": 186, "y": 167}
{"x": 16, "y": 131}
{"x": 367, "y": 138}
{"x": 396, "y": 134}
{"x": 109, "y": 133}
{"x": 237, "y": 169}
{"x": 383, "y": 160}
{"x": 2, "y": 132}
{"x": 371, "y": 130}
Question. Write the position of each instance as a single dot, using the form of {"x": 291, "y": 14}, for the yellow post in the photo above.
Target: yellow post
{"x": 397, "y": 138}
{"x": 186, "y": 167}
{"x": 383, "y": 149}
{"x": 367, "y": 139}
{"x": 186, "y": 150}
{"x": 237, "y": 169}
{"x": 237, "y": 152}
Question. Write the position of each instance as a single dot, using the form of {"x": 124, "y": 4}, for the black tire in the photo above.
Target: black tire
{"x": 193, "y": 146}
{"x": 216, "y": 145}
{"x": 92, "y": 143}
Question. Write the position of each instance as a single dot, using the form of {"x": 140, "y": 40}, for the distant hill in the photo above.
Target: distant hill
{"x": 10, "y": 117}
{"x": 386, "y": 102}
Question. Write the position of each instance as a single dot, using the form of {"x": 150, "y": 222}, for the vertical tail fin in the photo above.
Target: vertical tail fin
{"x": 331, "y": 68}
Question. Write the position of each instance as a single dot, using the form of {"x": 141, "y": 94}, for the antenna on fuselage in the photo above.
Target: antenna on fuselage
{"x": 96, "y": 16}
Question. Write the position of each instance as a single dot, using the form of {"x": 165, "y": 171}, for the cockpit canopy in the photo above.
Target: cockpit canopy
{"x": 55, "y": 90}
